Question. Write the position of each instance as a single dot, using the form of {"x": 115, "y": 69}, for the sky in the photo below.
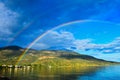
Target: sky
{"x": 96, "y": 38}
{"x": 22, "y": 21}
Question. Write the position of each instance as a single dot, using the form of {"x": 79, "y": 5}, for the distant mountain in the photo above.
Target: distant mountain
{"x": 11, "y": 48}
{"x": 58, "y": 48}
{"x": 10, "y": 55}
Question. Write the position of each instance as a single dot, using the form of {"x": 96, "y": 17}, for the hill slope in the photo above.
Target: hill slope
{"x": 10, "y": 55}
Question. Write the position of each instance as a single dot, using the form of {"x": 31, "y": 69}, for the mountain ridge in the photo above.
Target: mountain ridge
{"x": 12, "y": 47}
{"x": 10, "y": 55}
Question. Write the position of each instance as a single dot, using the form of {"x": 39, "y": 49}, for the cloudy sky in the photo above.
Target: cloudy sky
{"x": 22, "y": 21}
{"x": 97, "y": 38}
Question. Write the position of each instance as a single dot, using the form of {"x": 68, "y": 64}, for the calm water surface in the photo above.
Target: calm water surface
{"x": 83, "y": 73}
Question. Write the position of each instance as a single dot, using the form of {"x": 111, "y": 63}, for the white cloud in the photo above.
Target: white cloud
{"x": 87, "y": 44}
{"x": 66, "y": 40}
{"x": 8, "y": 19}
{"x": 56, "y": 39}
{"x": 117, "y": 48}
{"x": 83, "y": 44}
{"x": 109, "y": 57}
{"x": 100, "y": 55}
{"x": 6, "y": 38}
{"x": 41, "y": 46}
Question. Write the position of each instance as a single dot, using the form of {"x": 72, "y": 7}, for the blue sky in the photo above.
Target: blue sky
{"x": 102, "y": 31}
{"x": 22, "y": 21}
{"x": 97, "y": 38}
{"x": 42, "y": 15}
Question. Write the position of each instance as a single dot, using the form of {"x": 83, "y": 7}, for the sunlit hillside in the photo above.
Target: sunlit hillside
{"x": 57, "y": 58}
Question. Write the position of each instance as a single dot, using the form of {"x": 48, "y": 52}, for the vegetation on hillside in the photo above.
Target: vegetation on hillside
{"x": 49, "y": 58}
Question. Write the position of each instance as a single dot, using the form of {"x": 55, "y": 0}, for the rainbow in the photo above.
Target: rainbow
{"x": 44, "y": 34}
{"x": 33, "y": 21}
{"x": 18, "y": 33}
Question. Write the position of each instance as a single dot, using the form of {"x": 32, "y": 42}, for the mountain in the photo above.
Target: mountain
{"x": 11, "y": 54}
{"x": 67, "y": 58}
{"x": 11, "y": 48}
{"x": 58, "y": 48}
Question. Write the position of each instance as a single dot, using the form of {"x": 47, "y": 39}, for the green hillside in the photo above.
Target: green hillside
{"x": 9, "y": 55}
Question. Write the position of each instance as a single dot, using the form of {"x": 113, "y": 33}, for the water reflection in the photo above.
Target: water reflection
{"x": 38, "y": 73}
{"x": 105, "y": 73}
{"x": 81, "y": 73}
